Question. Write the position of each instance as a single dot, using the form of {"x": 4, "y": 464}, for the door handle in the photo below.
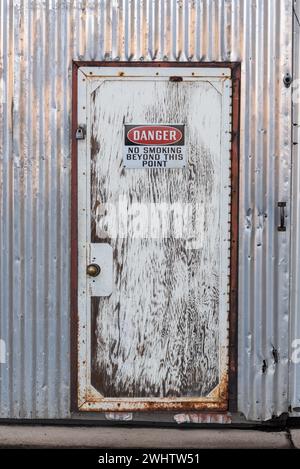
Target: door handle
{"x": 93, "y": 270}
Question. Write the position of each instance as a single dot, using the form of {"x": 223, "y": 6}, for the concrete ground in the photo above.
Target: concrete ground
{"x": 128, "y": 437}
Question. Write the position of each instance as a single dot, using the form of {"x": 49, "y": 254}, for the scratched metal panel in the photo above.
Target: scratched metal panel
{"x": 38, "y": 41}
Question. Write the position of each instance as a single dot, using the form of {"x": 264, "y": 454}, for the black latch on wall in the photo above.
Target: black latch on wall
{"x": 282, "y": 226}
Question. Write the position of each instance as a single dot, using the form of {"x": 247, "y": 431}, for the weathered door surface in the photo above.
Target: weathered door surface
{"x": 153, "y": 237}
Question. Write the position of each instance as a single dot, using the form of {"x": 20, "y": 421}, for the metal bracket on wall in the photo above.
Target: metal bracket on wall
{"x": 287, "y": 80}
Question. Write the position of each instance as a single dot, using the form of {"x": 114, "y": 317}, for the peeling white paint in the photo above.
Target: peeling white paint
{"x": 198, "y": 417}
{"x": 121, "y": 416}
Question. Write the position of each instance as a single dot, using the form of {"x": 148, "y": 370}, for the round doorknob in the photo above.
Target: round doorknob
{"x": 93, "y": 270}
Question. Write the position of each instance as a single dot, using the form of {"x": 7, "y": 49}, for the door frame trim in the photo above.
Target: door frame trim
{"x": 233, "y": 278}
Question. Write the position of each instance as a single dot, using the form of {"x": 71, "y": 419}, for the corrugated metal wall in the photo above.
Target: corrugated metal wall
{"x": 38, "y": 41}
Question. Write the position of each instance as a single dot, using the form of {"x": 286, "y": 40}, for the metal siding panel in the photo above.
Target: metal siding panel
{"x": 39, "y": 39}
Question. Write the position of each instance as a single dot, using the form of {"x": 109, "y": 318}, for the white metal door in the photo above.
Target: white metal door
{"x": 153, "y": 324}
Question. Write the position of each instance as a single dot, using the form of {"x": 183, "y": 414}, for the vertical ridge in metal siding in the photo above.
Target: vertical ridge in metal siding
{"x": 39, "y": 40}
{"x": 270, "y": 188}
{"x": 27, "y": 375}
{"x": 246, "y": 325}
{"x": 41, "y": 228}
{"x": 258, "y": 246}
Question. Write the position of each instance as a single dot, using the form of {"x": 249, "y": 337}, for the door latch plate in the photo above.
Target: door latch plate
{"x": 102, "y": 255}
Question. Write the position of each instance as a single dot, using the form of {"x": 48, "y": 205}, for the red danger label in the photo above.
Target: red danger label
{"x": 154, "y": 146}
{"x": 154, "y": 135}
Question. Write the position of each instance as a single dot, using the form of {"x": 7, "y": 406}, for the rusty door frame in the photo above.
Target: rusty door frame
{"x": 233, "y": 287}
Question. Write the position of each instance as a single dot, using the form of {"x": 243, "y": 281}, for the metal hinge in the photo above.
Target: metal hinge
{"x": 80, "y": 132}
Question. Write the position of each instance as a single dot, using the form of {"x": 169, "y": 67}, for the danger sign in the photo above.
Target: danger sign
{"x": 154, "y": 146}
